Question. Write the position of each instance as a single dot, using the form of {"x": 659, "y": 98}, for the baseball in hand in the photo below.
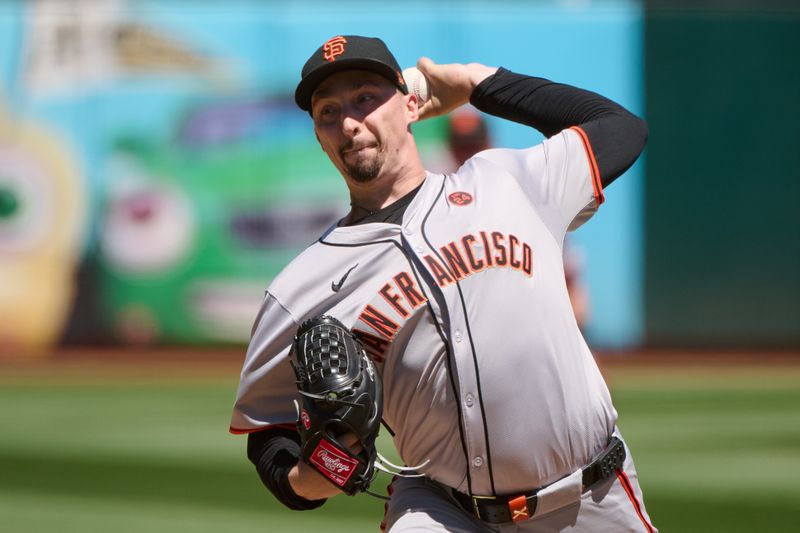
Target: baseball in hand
{"x": 417, "y": 84}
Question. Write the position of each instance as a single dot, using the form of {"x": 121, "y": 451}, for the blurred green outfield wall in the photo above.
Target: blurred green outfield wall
{"x": 722, "y": 237}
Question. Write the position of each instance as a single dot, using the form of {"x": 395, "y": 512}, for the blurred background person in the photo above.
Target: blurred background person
{"x": 467, "y": 134}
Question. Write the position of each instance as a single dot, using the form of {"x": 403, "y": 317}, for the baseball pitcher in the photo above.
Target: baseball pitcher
{"x": 438, "y": 305}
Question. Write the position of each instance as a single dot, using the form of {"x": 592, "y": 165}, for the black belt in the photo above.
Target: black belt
{"x": 517, "y": 507}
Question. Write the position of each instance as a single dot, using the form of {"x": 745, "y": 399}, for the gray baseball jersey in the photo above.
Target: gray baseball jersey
{"x": 465, "y": 310}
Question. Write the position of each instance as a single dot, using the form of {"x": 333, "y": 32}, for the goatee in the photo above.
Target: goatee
{"x": 364, "y": 173}
{"x": 363, "y": 169}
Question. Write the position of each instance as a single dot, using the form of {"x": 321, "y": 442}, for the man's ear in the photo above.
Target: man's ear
{"x": 412, "y": 111}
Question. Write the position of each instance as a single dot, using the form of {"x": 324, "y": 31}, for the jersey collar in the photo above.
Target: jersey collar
{"x": 380, "y": 231}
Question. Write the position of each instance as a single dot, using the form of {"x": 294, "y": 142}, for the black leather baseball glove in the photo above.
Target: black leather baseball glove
{"x": 340, "y": 393}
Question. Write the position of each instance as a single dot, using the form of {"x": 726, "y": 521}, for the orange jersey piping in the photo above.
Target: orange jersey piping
{"x": 597, "y": 185}
{"x": 626, "y": 485}
{"x": 237, "y": 431}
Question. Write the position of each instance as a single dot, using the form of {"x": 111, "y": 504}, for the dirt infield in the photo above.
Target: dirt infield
{"x": 222, "y": 364}
{"x": 139, "y": 364}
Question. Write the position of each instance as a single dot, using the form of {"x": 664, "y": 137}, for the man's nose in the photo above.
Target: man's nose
{"x": 350, "y": 124}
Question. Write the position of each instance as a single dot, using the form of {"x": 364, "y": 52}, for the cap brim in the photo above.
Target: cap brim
{"x": 312, "y": 80}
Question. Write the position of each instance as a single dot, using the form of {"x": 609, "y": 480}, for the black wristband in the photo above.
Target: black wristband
{"x": 274, "y": 452}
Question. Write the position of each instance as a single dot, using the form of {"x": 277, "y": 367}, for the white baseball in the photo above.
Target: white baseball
{"x": 417, "y": 84}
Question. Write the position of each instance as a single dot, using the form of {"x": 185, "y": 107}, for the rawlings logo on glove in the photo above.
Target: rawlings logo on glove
{"x": 333, "y": 463}
{"x": 341, "y": 394}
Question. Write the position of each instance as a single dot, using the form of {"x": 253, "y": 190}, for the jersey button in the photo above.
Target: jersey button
{"x": 477, "y": 461}
{"x": 419, "y": 249}
{"x": 408, "y": 231}
{"x": 469, "y": 399}
{"x": 458, "y": 335}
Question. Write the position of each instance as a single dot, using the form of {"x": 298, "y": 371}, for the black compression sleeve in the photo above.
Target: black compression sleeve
{"x": 616, "y": 136}
{"x": 274, "y": 452}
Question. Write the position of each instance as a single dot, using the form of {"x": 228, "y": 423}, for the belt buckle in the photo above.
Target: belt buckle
{"x": 614, "y": 458}
{"x": 475, "y": 507}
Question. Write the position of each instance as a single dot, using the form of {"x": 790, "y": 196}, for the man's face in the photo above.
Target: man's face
{"x": 360, "y": 119}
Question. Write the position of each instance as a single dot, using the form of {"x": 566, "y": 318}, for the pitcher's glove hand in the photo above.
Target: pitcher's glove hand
{"x": 340, "y": 393}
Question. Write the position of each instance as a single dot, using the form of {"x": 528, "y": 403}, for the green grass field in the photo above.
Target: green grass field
{"x": 717, "y": 449}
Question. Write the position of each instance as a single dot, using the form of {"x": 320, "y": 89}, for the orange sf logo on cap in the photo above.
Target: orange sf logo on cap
{"x": 334, "y": 47}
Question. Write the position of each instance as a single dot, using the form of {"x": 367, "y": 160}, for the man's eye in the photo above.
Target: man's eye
{"x": 366, "y": 97}
{"x": 326, "y": 111}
